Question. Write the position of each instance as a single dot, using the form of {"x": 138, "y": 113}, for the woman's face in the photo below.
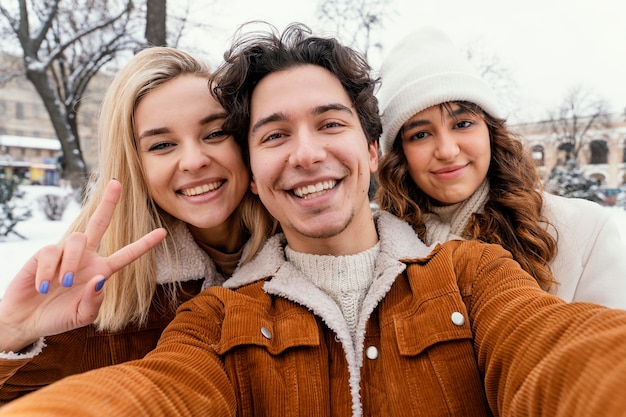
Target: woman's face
{"x": 194, "y": 171}
{"x": 448, "y": 154}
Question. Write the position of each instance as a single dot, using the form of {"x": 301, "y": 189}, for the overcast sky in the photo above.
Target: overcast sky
{"x": 548, "y": 46}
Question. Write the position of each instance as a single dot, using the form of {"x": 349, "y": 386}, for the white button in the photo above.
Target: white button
{"x": 458, "y": 318}
{"x": 266, "y": 332}
{"x": 371, "y": 352}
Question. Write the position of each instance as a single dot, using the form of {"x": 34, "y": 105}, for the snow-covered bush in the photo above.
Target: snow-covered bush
{"x": 12, "y": 208}
{"x": 569, "y": 181}
{"x": 54, "y": 205}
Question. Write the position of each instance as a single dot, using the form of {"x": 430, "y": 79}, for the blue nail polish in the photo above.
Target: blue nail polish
{"x": 100, "y": 284}
{"x": 68, "y": 279}
{"x": 44, "y": 287}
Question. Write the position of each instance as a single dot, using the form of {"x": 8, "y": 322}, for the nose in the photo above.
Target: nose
{"x": 447, "y": 147}
{"x": 308, "y": 149}
{"x": 192, "y": 156}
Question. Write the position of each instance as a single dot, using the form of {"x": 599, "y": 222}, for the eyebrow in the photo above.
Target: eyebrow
{"x": 423, "y": 122}
{"x": 280, "y": 116}
{"x": 162, "y": 130}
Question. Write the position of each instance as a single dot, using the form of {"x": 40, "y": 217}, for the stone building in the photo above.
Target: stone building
{"x": 602, "y": 156}
{"x": 27, "y": 137}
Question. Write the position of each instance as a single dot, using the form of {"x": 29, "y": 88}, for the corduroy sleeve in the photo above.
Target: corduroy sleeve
{"x": 540, "y": 355}
{"x": 183, "y": 376}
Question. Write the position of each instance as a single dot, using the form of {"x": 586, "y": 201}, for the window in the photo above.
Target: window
{"x": 537, "y": 152}
{"x": 599, "y": 152}
{"x": 565, "y": 151}
{"x": 19, "y": 111}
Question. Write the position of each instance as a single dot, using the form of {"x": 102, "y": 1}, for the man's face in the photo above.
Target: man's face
{"x": 310, "y": 161}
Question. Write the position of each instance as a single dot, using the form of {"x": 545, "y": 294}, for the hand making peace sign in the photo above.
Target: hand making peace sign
{"x": 59, "y": 288}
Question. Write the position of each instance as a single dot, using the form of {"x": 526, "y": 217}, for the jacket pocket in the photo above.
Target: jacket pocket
{"x": 255, "y": 325}
{"x": 440, "y": 319}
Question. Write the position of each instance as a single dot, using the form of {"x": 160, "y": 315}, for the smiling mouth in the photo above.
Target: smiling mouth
{"x": 201, "y": 189}
{"x": 314, "y": 190}
{"x": 448, "y": 170}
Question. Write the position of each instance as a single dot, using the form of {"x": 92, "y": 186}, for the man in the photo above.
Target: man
{"x": 348, "y": 313}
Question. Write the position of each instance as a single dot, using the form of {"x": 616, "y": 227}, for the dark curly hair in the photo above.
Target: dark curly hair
{"x": 512, "y": 215}
{"x": 257, "y": 54}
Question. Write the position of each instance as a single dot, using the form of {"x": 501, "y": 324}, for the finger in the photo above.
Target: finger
{"x": 73, "y": 249}
{"x": 47, "y": 259}
{"x": 24, "y": 280}
{"x": 91, "y": 301}
{"x": 101, "y": 218}
{"x": 131, "y": 252}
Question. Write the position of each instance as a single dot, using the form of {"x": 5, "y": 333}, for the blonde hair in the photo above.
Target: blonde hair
{"x": 129, "y": 292}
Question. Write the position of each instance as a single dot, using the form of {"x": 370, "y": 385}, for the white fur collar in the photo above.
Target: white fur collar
{"x": 397, "y": 241}
{"x": 186, "y": 260}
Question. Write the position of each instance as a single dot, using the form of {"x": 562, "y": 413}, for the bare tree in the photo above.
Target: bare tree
{"x": 499, "y": 77}
{"x": 574, "y": 122}
{"x": 356, "y": 20}
{"x": 169, "y": 25}
{"x": 156, "y": 33}
{"x": 64, "y": 45}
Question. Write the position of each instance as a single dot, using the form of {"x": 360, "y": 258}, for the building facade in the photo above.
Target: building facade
{"x": 27, "y": 138}
{"x": 602, "y": 155}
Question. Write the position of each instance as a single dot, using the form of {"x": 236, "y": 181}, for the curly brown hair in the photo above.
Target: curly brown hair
{"x": 512, "y": 215}
{"x": 257, "y": 54}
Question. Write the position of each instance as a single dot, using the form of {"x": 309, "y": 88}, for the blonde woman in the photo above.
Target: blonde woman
{"x": 161, "y": 137}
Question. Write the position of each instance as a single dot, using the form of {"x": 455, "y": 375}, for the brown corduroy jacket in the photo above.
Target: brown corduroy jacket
{"x": 84, "y": 349}
{"x": 460, "y": 330}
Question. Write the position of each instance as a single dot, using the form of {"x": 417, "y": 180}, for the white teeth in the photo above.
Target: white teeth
{"x": 314, "y": 190}
{"x": 201, "y": 189}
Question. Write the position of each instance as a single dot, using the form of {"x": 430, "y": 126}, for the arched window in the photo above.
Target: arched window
{"x": 538, "y": 153}
{"x": 599, "y": 177}
{"x": 564, "y": 152}
{"x": 599, "y": 152}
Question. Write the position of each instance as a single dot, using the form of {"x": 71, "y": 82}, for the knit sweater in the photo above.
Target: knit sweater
{"x": 346, "y": 279}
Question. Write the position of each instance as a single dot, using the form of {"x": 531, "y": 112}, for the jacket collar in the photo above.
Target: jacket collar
{"x": 398, "y": 242}
{"x": 183, "y": 260}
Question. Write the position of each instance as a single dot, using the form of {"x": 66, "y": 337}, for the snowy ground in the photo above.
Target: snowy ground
{"x": 38, "y": 230}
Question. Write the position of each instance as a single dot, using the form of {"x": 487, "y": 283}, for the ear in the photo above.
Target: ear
{"x": 253, "y": 187}
{"x": 373, "y": 160}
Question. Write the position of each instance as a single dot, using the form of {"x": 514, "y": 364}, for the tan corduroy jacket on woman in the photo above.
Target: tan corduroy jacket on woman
{"x": 459, "y": 331}
{"x": 85, "y": 348}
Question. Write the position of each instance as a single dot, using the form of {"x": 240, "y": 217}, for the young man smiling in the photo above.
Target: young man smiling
{"x": 348, "y": 313}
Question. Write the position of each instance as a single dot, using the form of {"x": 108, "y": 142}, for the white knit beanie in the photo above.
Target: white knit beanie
{"x": 423, "y": 70}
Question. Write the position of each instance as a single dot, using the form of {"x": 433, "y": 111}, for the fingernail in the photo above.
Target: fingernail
{"x": 68, "y": 279}
{"x": 44, "y": 287}
{"x": 100, "y": 284}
